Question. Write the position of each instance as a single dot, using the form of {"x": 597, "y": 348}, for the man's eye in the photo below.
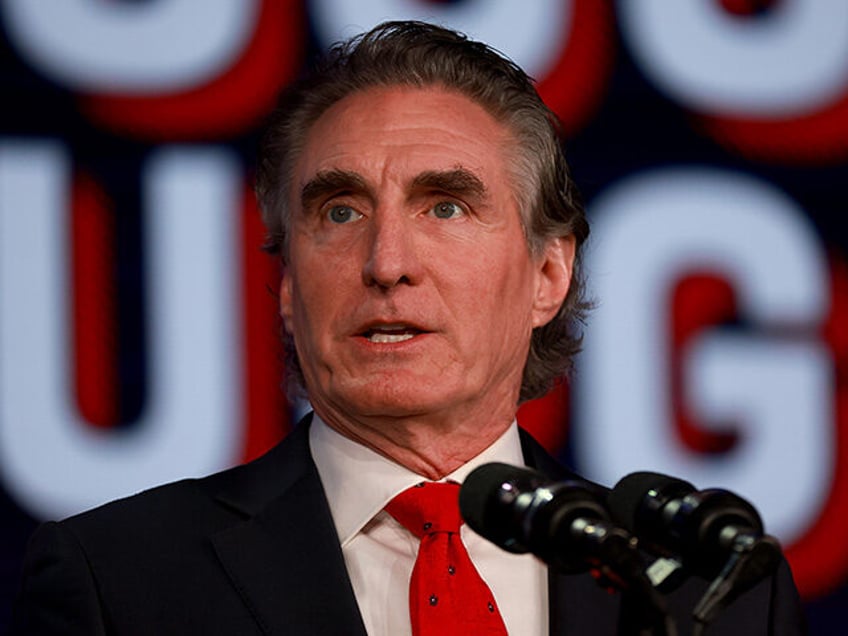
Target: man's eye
{"x": 343, "y": 214}
{"x": 447, "y": 210}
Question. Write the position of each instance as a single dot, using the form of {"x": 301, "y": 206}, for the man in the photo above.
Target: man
{"x": 430, "y": 233}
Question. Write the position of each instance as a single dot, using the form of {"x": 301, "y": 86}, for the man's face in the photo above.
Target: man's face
{"x": 410, "y": 289}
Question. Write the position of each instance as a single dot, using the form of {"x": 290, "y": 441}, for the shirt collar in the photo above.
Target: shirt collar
{"x": 359, "y": 482}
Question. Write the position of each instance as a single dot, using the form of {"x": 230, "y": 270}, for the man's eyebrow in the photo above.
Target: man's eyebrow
{"x": 327, "y": 182}
{"x": 459, "y": 181}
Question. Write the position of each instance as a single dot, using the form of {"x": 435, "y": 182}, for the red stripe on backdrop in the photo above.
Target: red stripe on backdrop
{"x": 546, "y": 418}
{"x": 266, "y": 413}
{"x": 229, "y": 105}
{"x": 575, "y": 87}
{"x": 699, "y": 301}
{"x": 819, "y": 138}
{"x": 94, "y": 301}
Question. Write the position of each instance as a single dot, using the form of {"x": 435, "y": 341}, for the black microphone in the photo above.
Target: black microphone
{"x": 563, "y": 523}
{"x": 567, "y": 526}
{"x": 670, "y": 516}
{"x": 715, "y": 533}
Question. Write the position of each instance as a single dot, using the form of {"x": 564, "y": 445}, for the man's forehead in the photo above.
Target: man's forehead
{"x": 406, "y": 134}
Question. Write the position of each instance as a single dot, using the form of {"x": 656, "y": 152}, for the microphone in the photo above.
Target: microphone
{"x": 563, "y": 523}
{"x": 671, "y": 517}
{"x": 716, "y": 534}
{"x": 567, "y": 526}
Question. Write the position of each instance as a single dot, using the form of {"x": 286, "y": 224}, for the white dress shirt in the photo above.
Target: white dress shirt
{"x": 380, "y": 553}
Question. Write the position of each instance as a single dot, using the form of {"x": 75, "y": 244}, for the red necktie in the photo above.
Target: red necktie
{"x": 447, "y": 597}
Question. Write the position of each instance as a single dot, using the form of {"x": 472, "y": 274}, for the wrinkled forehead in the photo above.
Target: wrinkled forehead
{"x": 400, "y": 131}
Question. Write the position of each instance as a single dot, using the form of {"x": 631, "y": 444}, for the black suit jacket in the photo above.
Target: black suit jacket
{"x": 253, "y": 550}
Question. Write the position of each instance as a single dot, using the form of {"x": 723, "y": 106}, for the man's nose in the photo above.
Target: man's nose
{"x": 393, "y": 257}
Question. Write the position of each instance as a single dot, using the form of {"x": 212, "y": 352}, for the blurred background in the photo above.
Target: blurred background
{"x": 138, "y": 329}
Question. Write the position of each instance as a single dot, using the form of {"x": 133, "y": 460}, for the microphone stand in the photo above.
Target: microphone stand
{"x": 752, "y": 559}
{"x": 644, "y": 611}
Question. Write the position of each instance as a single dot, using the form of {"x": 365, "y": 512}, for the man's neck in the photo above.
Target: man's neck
{"x": 425, "y": 446}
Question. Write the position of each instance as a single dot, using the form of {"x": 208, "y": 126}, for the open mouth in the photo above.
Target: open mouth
{"x": 390, "y": 334}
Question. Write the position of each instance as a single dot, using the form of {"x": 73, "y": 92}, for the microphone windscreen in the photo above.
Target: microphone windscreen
{"x": 478, "y": 495}
{"x": 628, "y": 496}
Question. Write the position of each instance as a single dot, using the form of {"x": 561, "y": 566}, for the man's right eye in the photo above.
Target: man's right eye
{"x": 343, "y": 214}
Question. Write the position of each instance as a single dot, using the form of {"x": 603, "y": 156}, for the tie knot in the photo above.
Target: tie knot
{"x": 427, "y": 508}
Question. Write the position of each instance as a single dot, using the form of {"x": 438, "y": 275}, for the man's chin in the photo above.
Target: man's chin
{"x": 391, "y": 398}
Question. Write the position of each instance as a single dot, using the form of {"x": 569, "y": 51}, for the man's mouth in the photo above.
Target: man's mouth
{"x": 390, "y": 334}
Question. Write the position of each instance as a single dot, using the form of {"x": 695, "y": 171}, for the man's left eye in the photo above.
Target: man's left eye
{"x": 447, "y": 210}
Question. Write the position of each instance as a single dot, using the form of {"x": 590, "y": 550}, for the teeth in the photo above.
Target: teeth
{"x": 389, "y": 337}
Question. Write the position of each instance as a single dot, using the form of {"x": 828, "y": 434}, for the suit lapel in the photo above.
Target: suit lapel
{"x": 284, "y": 558}
{"x": 577, "y": 604}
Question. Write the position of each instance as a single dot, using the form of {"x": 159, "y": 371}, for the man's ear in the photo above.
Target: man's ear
{"x": 554, "y": 269}
{"x": 286, "y": 295}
